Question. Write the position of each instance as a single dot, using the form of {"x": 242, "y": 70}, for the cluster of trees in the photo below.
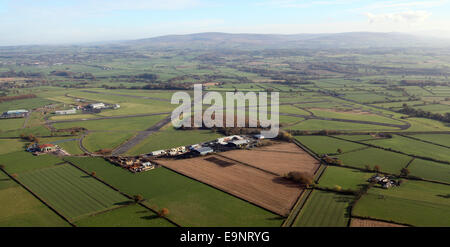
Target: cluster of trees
{"x": 30, "y": 138}
{"x": 13, "y": 73}
{"x": 70, "y": 74}
{"x": 420, "y": 83}
{"x": 332, "y": 161}
{"x": 424, "y": 114}
{"x": 11, "y": 98}
{"x": 303, "y": 178}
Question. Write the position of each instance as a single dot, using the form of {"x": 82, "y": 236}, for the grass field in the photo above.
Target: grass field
{"x": 430, "y": 170}
{"x": 11, "y": 145}
{"x": 414, "y": 202}
{"x": 26, "y": 104}
{"x": 11, "y": 124}
{"x": 315, "y": 124}
{"x": 327, "y": 145}
{"x": 35, "y": 130}
{"x": 87, "y": 195}
{"x": 127, "y": 216}
{"x": 18, "y": 208}
{"x": 357, "y": 137}
{"x": 21, "y": 161}
{"x": 325, "y": 209}
{"x": 414, "y": 147}
{"x": 190, "y": 203}
{"x": 71, "y": 147}
{"x": 353, "y": 115}
{"x": 346, "y": 178}
{"x": 387, "y": 161}
{"x": 441, "y": 139}
{"x": 122, "y": 124}
{"x": 105, "y": 140}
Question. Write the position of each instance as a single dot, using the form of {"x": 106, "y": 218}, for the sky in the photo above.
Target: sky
{"x": 24, "y": 22}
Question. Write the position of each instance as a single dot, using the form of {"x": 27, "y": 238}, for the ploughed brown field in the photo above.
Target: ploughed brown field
{"x": 278, "y": 158}
{"x": 371, "y": 223}
{"x": 264, "y": 189}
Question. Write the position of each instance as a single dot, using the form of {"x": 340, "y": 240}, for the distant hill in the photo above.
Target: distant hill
{"x": 256, "y": 41}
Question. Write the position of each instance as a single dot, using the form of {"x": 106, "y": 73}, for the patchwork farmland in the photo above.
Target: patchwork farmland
{"x": 263, "y": 189}
{"x": 364, "y": 139}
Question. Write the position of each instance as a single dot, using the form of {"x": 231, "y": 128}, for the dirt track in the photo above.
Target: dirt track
{"x": 258, "y": 187}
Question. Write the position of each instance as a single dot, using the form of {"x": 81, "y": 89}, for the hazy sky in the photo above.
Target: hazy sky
{"x": 74, "y": 21}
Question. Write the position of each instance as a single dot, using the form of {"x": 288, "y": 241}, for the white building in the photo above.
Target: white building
{"x": 97, "y": 106}
{"x": 66, "y": 112}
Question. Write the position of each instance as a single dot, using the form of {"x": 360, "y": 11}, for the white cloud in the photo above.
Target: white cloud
{"x": 405, "y": 4}
{"x": 405, "y": 17}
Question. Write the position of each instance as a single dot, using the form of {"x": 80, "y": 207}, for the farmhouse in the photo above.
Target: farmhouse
{"x": 66, "y": 112}
{"x": 385, "y": 182}
{"x": 45, "y": 148}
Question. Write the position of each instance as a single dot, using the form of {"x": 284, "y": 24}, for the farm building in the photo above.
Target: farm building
{"x": 96, "y": 106}
{"x": 14, "y": 114}
{"x": 66, "y": 112}
{"x": 157, "y": 153}
{"x": 239, "y": 143}
{"x": 258, "y": 136}
{"x": 45, "y": 148}
{"x": 226, "y": 139}
{"x": 203, "y": 150}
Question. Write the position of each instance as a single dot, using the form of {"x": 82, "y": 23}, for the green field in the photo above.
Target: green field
{"x": 130, "y": 124}
{"x": 441, "y": 139}
{"x": 21, "y": 161}
{"x": 327, "y": 145}
{"x": 71, "y": 147}
{"x": 26, "y": 104}
{"x": 190, "y": 203}
{"x": 11, "y": 124}
{"x": 325, "y": 209}
{"x": 315, "y": 124}
{"x": 87, "y": 195}
{"x": 329, "y": 113}
{"x": 414, "y": 202}
{"x": 19, "y": 208}
{"x": 346, "y": 178}
{"x": 105, "y": 140}
{"x": 430, "y": 170}
{"x": 413, "y": 147}
{"x": 11, "y": 145}
{"x": 387, "y": 161}
{"x": 127, "y": 216}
